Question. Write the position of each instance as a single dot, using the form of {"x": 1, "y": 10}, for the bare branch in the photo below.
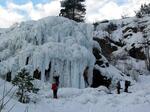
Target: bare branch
{"x": 11, "y": 108}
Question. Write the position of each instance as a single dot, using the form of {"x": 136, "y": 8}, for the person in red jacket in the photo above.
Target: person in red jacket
{"x": 55, "y": 86}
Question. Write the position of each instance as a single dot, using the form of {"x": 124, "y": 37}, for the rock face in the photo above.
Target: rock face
{"x": 107, "y": 47}
{"x": 137, "y": 53}
{"x": 99, "y": 79}
{"x": 122, "y": 46}
{"x": 103, "y": 72}
{"x": 48, "y": 45}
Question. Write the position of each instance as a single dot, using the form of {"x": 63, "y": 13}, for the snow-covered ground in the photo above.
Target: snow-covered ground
{"x": 88, "y": 100}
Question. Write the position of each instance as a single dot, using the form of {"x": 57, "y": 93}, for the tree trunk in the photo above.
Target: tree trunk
{"x": 73, "y": 13}
{"x": 21, "y": 98}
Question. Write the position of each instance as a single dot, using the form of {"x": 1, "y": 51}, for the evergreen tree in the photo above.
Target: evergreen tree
{"x": 23, "y": 81}
{"x": 73, "y": 9}
{"x": 144, "y": 10}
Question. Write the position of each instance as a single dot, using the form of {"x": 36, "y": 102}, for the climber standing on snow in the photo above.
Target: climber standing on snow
{"x": 55, "y": 85}
{"x": 118, "y": 87}
{"x": 127, "y": 84}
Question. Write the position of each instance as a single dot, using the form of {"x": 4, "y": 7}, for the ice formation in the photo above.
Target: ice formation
{"x": 48, "y": 45}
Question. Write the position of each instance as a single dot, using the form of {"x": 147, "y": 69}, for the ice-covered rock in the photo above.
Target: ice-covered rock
{"x": 48, "y": 45}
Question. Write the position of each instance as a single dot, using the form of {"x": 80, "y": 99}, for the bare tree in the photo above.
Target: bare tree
{"x": 26, "y": 109}
{"x": 4, "y": 100}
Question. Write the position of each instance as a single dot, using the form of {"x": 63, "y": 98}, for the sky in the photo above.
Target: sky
{"x": 14, "y": 11}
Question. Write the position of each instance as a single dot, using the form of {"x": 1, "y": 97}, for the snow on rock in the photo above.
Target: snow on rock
{"x": 112, "y": 73}
{"x": 100, "y": 34}
{"x": 127, "y": 37}
{"x": 54, "y": 44}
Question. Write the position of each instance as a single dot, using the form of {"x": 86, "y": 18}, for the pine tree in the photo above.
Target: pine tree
{"x": 73, "y": 9}
{"x": 144, "y": 10}
{"x": 23, "y": 81}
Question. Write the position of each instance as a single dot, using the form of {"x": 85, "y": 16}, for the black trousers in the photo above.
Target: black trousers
{"x": 55, "y": 93}
{"x": 86, "y": 82}
{"x": 118, "y": 90}
{"x": 126, "y": 89}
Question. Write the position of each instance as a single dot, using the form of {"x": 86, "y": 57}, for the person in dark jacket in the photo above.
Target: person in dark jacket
{"x": 127, "y": 84}
{"x": 118, "y": 87}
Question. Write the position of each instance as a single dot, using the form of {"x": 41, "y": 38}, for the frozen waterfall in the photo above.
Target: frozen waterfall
{"x": 48, "y": 45}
